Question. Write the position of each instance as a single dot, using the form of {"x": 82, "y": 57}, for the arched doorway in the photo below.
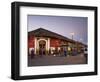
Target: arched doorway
{"x": 42, "y": 47}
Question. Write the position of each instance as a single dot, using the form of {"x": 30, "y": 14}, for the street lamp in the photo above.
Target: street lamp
{"x": 81, "y": 46}
{"x": 72, "y": 34}
{"x": 81, "y": 39}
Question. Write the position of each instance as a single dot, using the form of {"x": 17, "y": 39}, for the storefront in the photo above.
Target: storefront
{"x": 47, "y": 42}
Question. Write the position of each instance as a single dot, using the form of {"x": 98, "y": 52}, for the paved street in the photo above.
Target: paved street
{"x": 56, "y": 60}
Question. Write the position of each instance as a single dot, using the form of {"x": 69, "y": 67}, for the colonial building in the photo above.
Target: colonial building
{"x": 50, "y": 42}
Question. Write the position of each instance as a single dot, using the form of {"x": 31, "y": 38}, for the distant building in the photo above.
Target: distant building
{"x": 49, "y": 42}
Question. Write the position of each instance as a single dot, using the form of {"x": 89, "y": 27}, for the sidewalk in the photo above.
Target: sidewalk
{"x": 56, "y": 60}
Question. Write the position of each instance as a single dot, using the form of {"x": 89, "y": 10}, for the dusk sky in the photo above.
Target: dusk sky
{"x": 63, "y": 25}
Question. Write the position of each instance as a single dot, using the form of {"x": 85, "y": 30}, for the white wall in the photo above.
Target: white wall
{"x": 5, "y": 39}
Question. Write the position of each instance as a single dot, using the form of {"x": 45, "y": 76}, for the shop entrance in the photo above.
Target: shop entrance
{"x": 42, "y": 47}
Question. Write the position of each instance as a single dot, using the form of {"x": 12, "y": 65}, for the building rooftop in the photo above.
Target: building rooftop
{"x": 41, "y": 32}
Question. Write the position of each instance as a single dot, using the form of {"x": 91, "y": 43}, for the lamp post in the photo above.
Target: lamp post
{"x": 81, "y": 46}
{"x": 81, "y": 39}
{"x": 72, "y": 34}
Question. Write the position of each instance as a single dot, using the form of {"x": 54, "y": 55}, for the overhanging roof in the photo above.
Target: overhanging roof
{"x": 40, "y": 32}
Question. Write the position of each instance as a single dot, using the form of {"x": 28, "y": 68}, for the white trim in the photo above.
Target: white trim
{"x": 35, "y": 44}
{"x": 40, "y": 40}
{"x": 48, "y": 43}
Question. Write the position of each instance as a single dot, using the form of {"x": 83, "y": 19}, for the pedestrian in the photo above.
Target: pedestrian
{"x": 40, "y": 52}
{"x": 86, "y": 55}
{"x": 75, "y": 51}
{"x": 32, "y": 53}
{"x": 43, "y": 51}
{"x": 49, "y": 52}
{"x": 59, "y": 52}
{"x": 65, "y": 52}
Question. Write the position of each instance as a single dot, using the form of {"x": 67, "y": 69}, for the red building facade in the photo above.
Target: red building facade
{"x": 48, "y": 41}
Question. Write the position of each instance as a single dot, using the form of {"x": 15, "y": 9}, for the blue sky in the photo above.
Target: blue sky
{"x": 63, "y": 25}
